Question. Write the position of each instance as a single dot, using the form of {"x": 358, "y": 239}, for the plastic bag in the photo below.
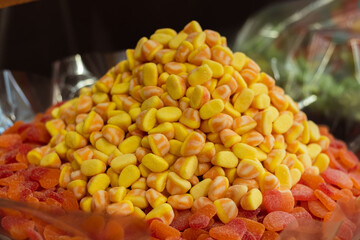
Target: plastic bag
{"x": 344, "y": 223}
{"x": 74, "y": 224}
{"x": 14, "y": 105}
{"x": 24, "y": 94}
{"x": 71, "y": 74}
{"x": 312, "y": 50}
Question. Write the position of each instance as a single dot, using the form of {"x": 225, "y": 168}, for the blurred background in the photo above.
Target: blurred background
{"x": 39, "y": 41}
{"x": 50, "y": 48}
{"x": 33, "y": 35}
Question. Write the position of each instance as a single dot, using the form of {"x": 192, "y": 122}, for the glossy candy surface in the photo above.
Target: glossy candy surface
{"x": 186, "y": 134}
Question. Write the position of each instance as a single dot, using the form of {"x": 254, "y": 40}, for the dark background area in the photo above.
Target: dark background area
{"x": 34, "y": 35}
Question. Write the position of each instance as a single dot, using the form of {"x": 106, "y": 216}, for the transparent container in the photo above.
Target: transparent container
{"x": 76, "y": 225}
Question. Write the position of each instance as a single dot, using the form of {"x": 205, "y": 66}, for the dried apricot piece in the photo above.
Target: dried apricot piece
{"x": 5, "y": 173}
{"x": 337, "y": 178}
{"x": 15, "y": 177}
{"x": 235, "y": 229}
{"x": 161, "y": 230}
{"x": 47, "y": 177}
{"x": 301, "y": 215}
{"x": 312, "y": 180}
{"x": 9, "y": 156}
{"x": 37, "y": 173}
{"x": 14, "y": 128}
{"x": 201, "y": 218}
{"x": 13, "y": 167}
{"x": 275, "y": 200}
{"x": 256, "y": 228}
{"x": 70, "y": 202}
{"x": 17, "y": 226}
{"x": 334, "y": 163}
{"x": 51, "y": 232}
{"x": 192, "y": 234}
{"x": 270, "y": 235}
{"x": 278, "y": 220}
{"x": 317, "y": 208}
{"x": 347, "y": 158}
{"x": 52, "y": 203}
{"x": 10, "y": 141}
{"x": 325, "y": 200}
{"x": 51, "y": 178}
{"x": 34, "y": 132}
{"x": 181, "y": 220}
{"x": 15, "y": 190}
{"x": 328, "y": 190}
{"x": 302, "y": 192}
{"x": 343, "y": 194}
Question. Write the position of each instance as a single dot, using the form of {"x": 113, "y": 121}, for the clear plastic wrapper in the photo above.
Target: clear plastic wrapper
{"x": 24, "y": 94}
{"x": 83, "y": 226}
{"x": 71, "y": 74}
{"x": 312, "y": 50}
{"x": 346, "y": 216}
{"x": 14, "y": 105}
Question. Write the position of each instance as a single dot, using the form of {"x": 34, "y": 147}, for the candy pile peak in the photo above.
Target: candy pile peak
{"x": 184, "y": 124}
{"x": 181, "y": 119}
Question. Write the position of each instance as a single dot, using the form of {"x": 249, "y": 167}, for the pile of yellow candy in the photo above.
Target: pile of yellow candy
{"x": 181, "y": 122}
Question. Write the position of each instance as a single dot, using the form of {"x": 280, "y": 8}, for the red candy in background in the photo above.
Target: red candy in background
{"x": 22, "y": 181}
{"x": 314, "y": 197}
{"x": 311, "y": 202}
